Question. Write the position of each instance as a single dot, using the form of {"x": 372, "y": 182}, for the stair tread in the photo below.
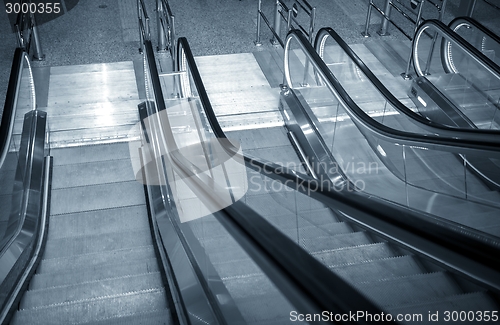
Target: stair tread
{"x": 95, "y": 260}
{"x": 98, "y": 222}
{"x": 72, "y": 246}
{"x": 46, "y": 280}
{"x": 90, "y": 290}
{"x": 93, "y": 310}
{"x": 385, "y": 268}
{"x": 354, "y": 254}
{"x": 411, "y": 288}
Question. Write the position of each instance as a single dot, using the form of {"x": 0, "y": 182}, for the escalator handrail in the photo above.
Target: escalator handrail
{"x": 283, "y": 259}
{"x": 457, "y": 141}
{"x": 482, "y": 249}
{"x": 450, "y": 35}
{"x": 458, "y": 22}
{"x": 471, "y": 21}
{"x": 416, "y": 118}
{"x": 492, "y": 136}
{"x": 9, "y": 110}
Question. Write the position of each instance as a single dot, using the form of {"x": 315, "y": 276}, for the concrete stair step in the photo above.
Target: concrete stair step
{"x": 413, "y": 288}
{"x": 379, "y": 269}
{"x": 65, "y": 247}
{"x": 47, "y": 280}
{"x": 95, "y": 261}
{"x": 355, "y": 254}
{"x": 90, "y": 290}
{"x": 475, "y": 301}
{"x": 94, "y": 310}
{"x": 98, "y": 222}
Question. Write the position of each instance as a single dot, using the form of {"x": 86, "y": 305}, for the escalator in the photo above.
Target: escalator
{"x": 393, "y": 276}
{"x": 446, "y": 182}
{"x": 276, "y": 255}
{"x": 96, "y": 263}
{"x": 458, "y": 77}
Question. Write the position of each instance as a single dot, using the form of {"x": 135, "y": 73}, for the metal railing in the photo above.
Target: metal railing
{"x": 289, "y": 16}
{"x": 27, "y": 32}
{"x": 166, "y": 27}
{"x": 144, "y": 31}
{"x": 403, "y": 9}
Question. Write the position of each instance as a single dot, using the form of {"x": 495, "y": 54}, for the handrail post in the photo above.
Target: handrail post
{"x": 139, "y": 16}
{"x": 311, "y": 25}
{"x": 277, "y": 22}
{"x": 368, "y": 18}
{"x": 442, "y": 10}
{"x": 161, "y": 33}
{"x": 406, "y": 74}
{"x": 385, "y": 22}
{"x": 257, "y": 40}
{"x": 38, "y": 46}
{"x": 172, "y": 38}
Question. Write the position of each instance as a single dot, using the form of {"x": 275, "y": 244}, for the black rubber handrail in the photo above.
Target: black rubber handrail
{"x": 9, "y": 109}
{"x": 471, "y": 21}
{"x": 468, "y": 21}
{"x": 460, "y": 137}
{"x": 481, "y": 249}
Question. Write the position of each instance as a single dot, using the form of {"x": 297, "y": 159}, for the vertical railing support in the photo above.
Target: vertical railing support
{"x": 384, "y": 26}
{"x": 365, "y": 33}
{"x": 162, "y": 46}
{"x": 311, "y": 24}
{"x": 38, "y": 55}
{"x": 406, "y": 74}
{"x": 277, "y": 22}
{"x": 259, "y": 12}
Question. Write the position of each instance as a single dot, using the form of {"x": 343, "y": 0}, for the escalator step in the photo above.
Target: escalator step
{"x": 84, "y": 154}
{"x": 379, "y": 269}
{"x": 92, "y": 173}
{"x": 95, "y": 260}
{"x": 320, "y": 243}
{"x": 271, "y": 308}
{"x": 223, "y": 248}
{"x": 96, "y": 197}
{"x": 470, "y": 302}
{"x": 46, "y": 280}
{"x": 413, "y": 288}
{"x": 91, "y": 290}
{"x": 93, "y": 310}
{"x": 354, "y": 254}
{"x": 66, "y": 247}
{"x": 230, "y": 269}
{"x": 97, "y": 222}
{"x": 160, "y": 317}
